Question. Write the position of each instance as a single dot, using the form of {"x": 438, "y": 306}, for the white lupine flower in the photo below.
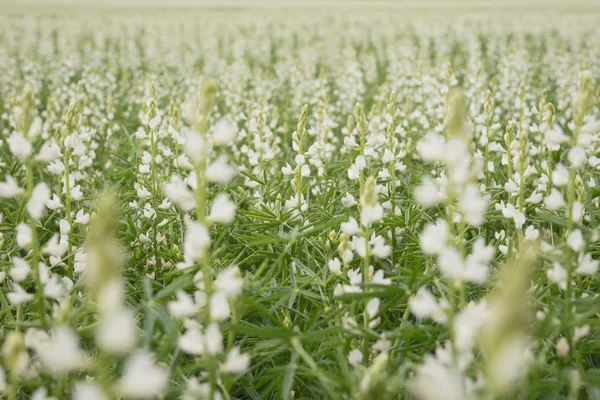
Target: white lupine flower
{"x": 575, "y": 240}
{"x": 219, "y": 306}
{"x": 76, "y": 193}
{"x": 165, "y": 204}
{"x": 61, "y": 353}
{"x": 229, "y": 282}
{"x": 287, "y": 170}
{"x": 142, "y": 378}
{"x": 189, "y": 112}
{"x": 560, "y": 176}
{"x": 435, "y": 380}
{"x": 558, "y": 275}
{"x": 519, "y": 219}
{"x": 36, "y": 128}
{"x": 428, "y": 193}
{"x": 196, "y": 242}
{"x": 140, "y": 134}
{"x": 477, "y": 263}
{"x": 378, "y": 247}
{"x": 42, "y": 394}
{"x": 36, "y": 205}
{"x": 335, "y": 267}
{"x": 146, "y": 158}
{"x": 49, "y": 152}
{"x": 148, "y": 211}
{"x": 19, "y": 296}
{"x": 424, "y": 305}
{"x": 54, "y": 247}
{"x": 224, "y": 132}
{"x": 472, "y": 205}
{"x": 353, "y": 172}
{"x": 195, "y": 390}
{"x": 10, "y": 189}
{"x": 88, "y": 390}
{"x": 359, "y": 244}
{"x": 350, "y": 228}
{"x": 56, "y": 167}
{"x": 53, "y": 203}
{"x": 531, "y": 233}
{"x": 577, "y": 212}
{"x": 467, "y": 324}
{"x": 79, "y": 149}
{"x": 43, "y": 272}
{"x": 348, "y": 201}
{"x": 580, "y": 332}
{"x": 360, "y": 163}
{"x": 154, "y": 123}
{"x": 431, "y": 148}
{"x": 305, "y": 170}
{"x": 178, "y": 192}
{"x": 451, "y": 264}
{"x": 511, "y": 187}
{"x": 80, "y": 264}
{"x": 509, "y": 211}
{"x": 192, "y": 341}
{"x": 184, "y": 306}
{"x": 64, "y": 227}
{"x": 434, "y": 238}
{"x": 388, "y": 156}
{"x": 378, "y": 279}
{"x": 213, "y": 339}
{"x": 555, "y": 136}
{"x": 355, "y": 357}
{"x": 220, "y": 171}
{"x": 117, "y": 332}
{"x": 24, "y": 236}
{"x": 577, "y": 156}
{"x": 19, "y": 146}
{"x": 222, "y": 210}
{"x": 555, "y": 200}
{"x": 562, "y": 347}
{"x": 347, "y": 256}
{"x": 587, "y": 265}
{"x": 235, "y": 363}
{"x": 372, "y": 307}
{"x": 535, "y": 198}
{"x": 20, "y": 269}
{"x": 82, "y": 218}
{"x": 371, "y": 214}
{"x": 54, "y": 287}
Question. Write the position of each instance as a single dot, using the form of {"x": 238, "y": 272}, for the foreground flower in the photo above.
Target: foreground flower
{"x": 142, "y": 378}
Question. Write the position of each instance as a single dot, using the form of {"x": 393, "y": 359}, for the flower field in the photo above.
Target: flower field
{"x": 387, "y": 200}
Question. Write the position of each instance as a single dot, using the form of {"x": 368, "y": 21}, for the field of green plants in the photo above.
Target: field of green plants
{"x": 337, "y": 201}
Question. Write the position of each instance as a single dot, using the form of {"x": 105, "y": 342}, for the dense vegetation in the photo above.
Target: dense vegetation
{"x": 314, "y": 203}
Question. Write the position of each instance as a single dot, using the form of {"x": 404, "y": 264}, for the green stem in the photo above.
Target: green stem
{"x": 570, "y": 226}
{"x": 35, "y": 250}
{"x": 154, "y": 194}
{"x": 365, "y": 280}
{"x": 39, "y": 289}
{"x": 201, "y": 186}
{"x": 487, "y": 151}
{"x": 68, "y": 211}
